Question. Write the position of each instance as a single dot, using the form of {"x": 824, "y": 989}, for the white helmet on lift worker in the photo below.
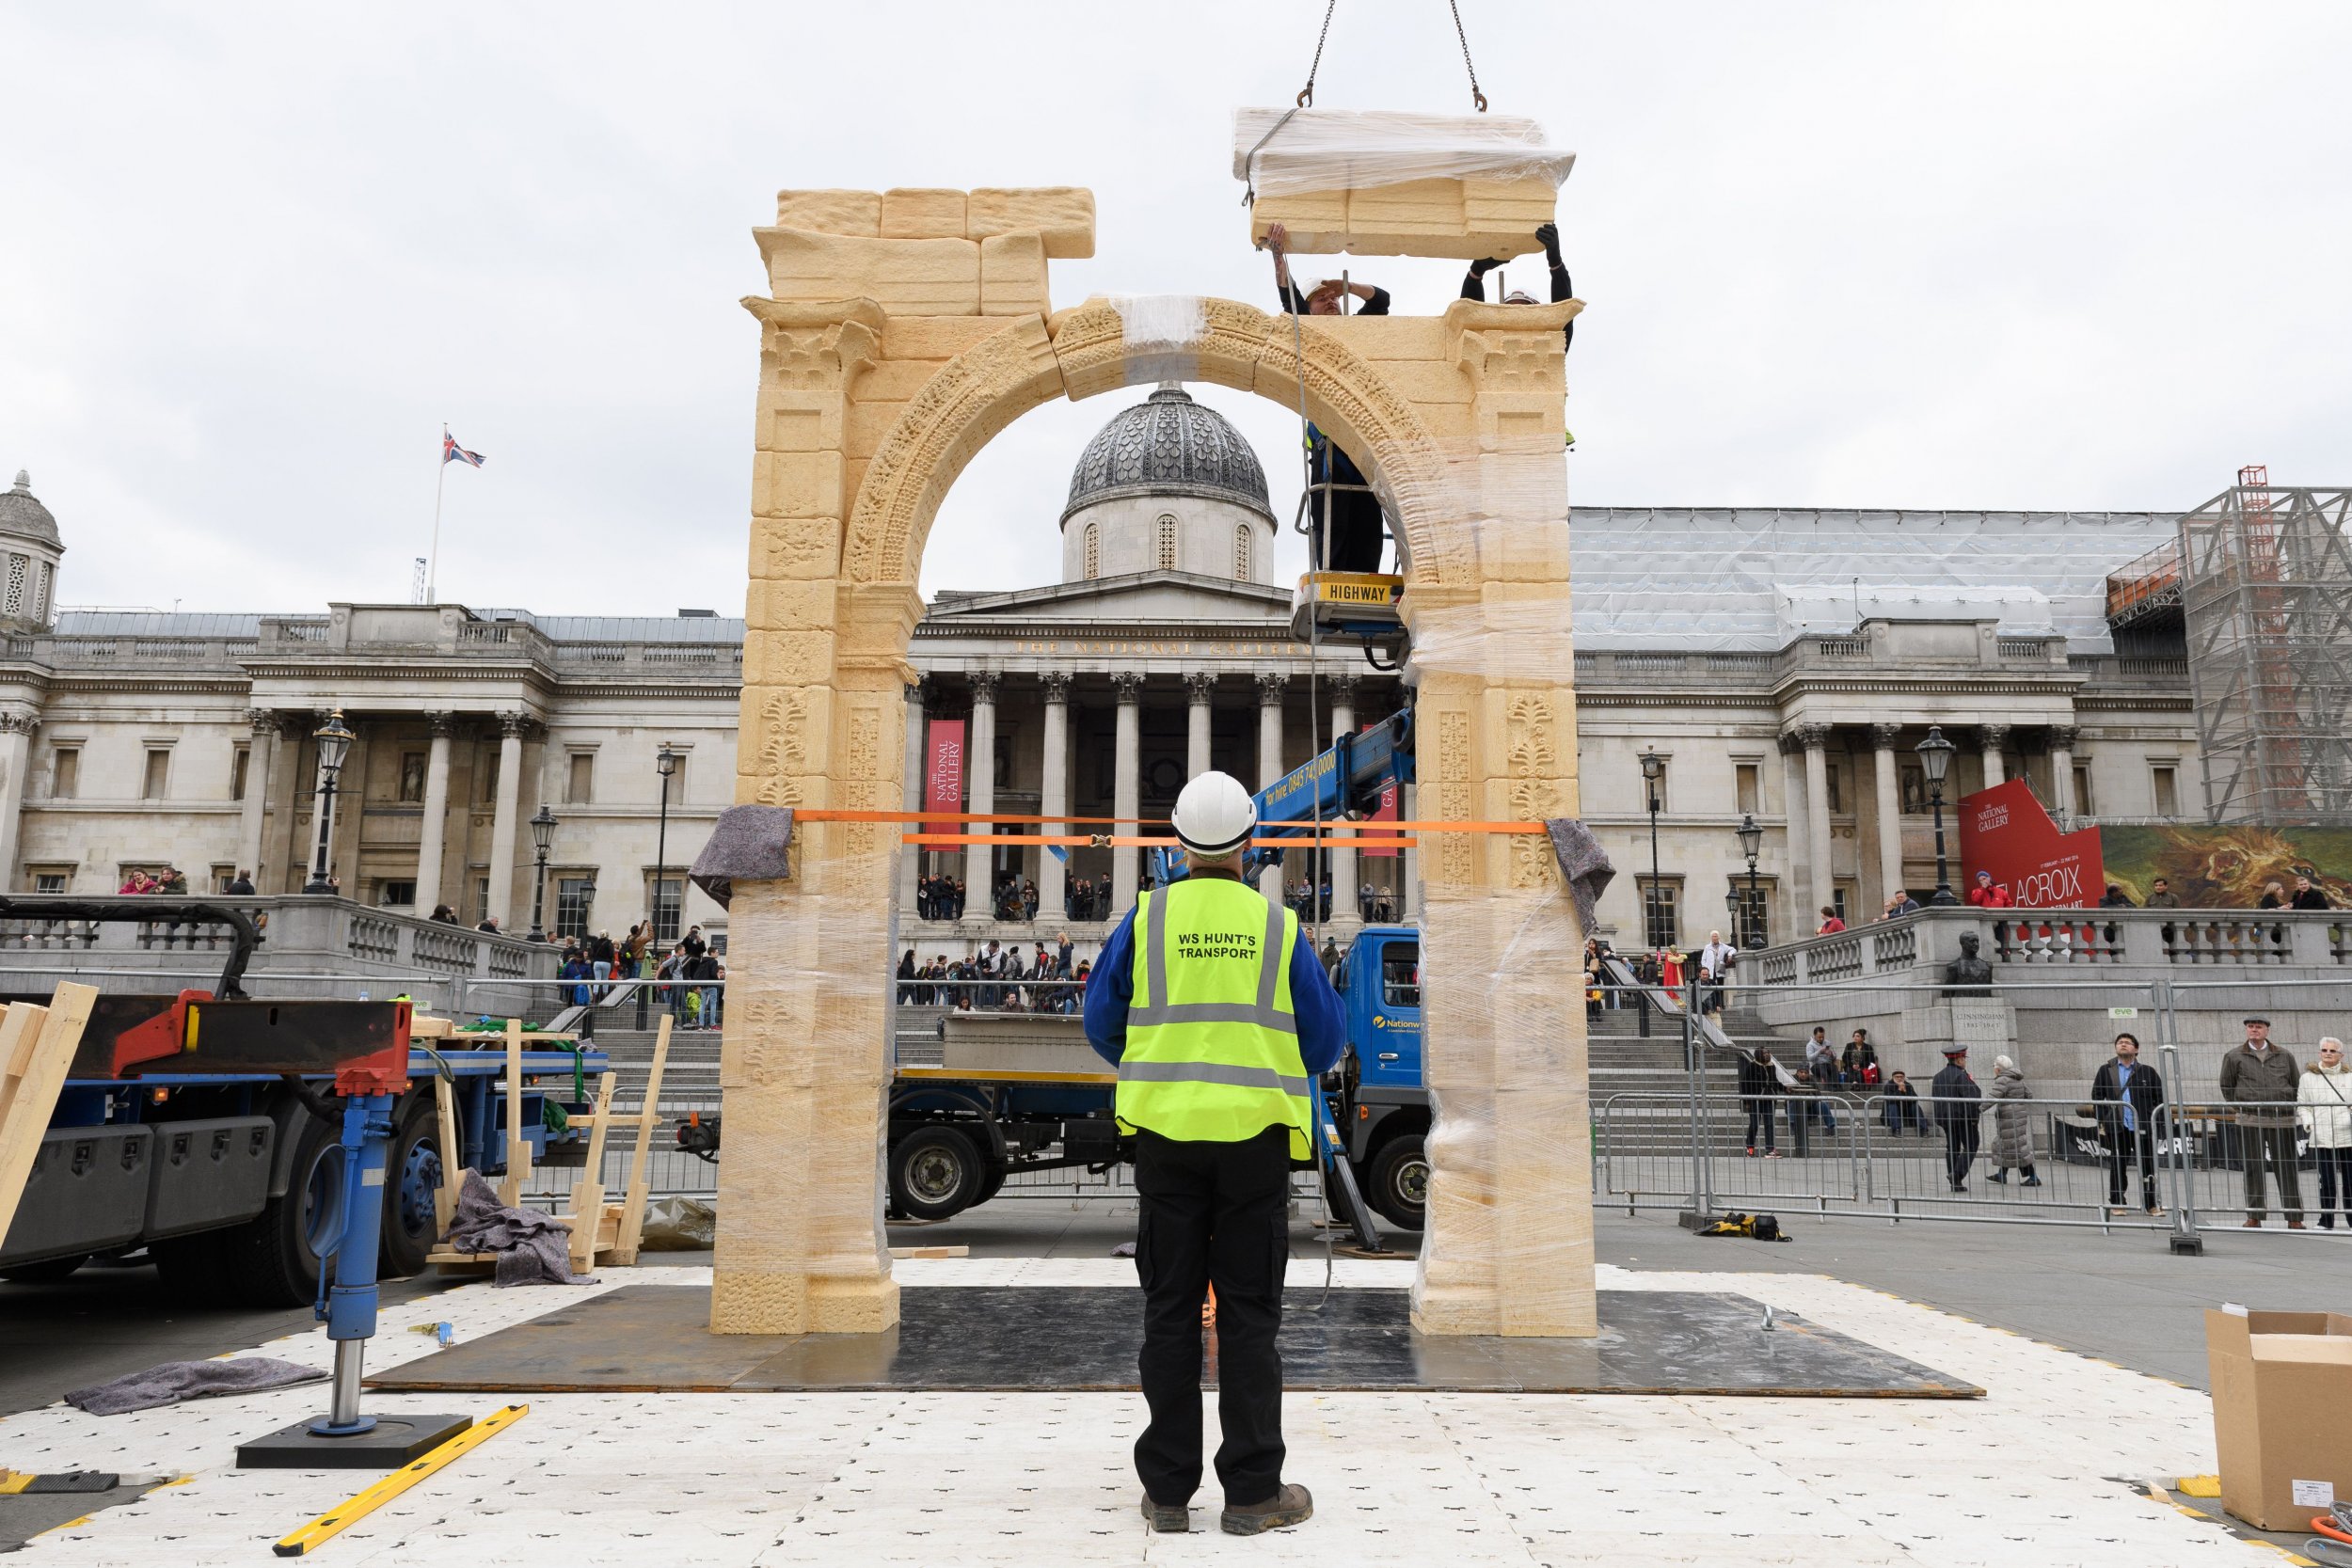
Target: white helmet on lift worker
{"x": 1215, "y": 816}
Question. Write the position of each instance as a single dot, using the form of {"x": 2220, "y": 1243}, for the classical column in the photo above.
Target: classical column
{"x": 1271, "y": 684}
{"x": 1342, "y": 861}
{"x": 1200, "y": 690}
{"x": 1054, "y": 794}
{"x": 1802, "y": 898}
{"x": 1127, "y": 788}
{"x": 2062, "y": 771}
{"x": 979, "y": 767}
{"x": 16, "y": 740}
{"x": 1882, "y": 739}
{"x": 917, "y": 763}
{"x": 502, "y": 821}
{"x": 1989, "y": 741}
{"x": 435, "y": 813}
{"x": 258, "y": 758}
{"x": 1815, "y": 739}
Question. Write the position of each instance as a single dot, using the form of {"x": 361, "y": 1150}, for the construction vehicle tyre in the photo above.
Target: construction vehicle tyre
{"x": 935, "y": 1174}
{"x": 273, "y": 1258}
{"x": 1399, "y": 1181}
{"x": 993, "y": 1181}
{"x": 413, "y": 1170}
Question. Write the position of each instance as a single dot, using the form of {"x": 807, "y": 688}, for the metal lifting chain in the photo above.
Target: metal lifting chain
{"x": 1476, "y": 97}
{"x": 1306, "y": 93}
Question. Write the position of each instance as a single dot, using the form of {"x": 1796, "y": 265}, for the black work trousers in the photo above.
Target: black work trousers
{"x": 1959, "y": 1149}
{"x": 2279, "y": 1144}
{"x": 1212, "y": 1213}
{"x": 2121, "y": 1146}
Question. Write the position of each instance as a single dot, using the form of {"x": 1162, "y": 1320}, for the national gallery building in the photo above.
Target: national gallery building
{"x": 1782, "y": 664}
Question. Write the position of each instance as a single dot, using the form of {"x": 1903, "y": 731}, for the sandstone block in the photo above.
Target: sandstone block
{"x": 1012, "y": 276}
{"x": 905, "y": 277}
{"x": 1462, "y": 218}
{"x": 934, "y": 338}
{"x": 831, "y": 211}
{"x": 922, "y": 214}
{"x": 797, "y": 484}
{"x": 792, "y": 604}
{"x": 1060, "y": 215}
{"x": 797, "y": 546}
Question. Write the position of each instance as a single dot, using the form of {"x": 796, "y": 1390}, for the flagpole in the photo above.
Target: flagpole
{"x": 433, "y": 558}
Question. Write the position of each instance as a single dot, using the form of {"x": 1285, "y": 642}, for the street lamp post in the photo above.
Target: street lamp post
{"x": 1751, "y": 836}
{"x": 1935, "y": 760}
{"x": 1653, "y": 769}
{"x": 334, "y": 739}
{"x": 542, "y": 835}
{"x": 665, "y": 762}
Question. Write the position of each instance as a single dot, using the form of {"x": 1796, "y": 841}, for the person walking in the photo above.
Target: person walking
{"x": 1758, "y": 1085}
{"x": 1956, "y": 1101}
{"x": 2261, "y": 1080}
{"x": 2324, "y": 1105}
{"x": 2128, "y": 1099}
{"x": 1219, "y": 1021}
{"x": 2012, "y": 1125}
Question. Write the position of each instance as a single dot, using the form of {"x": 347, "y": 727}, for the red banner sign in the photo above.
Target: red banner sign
{"x": 942, "y": 766}
{"x": 1386, "y": 812}
{"x": 2005, "y": 832}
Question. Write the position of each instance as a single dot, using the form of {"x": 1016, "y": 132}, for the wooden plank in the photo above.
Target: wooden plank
{"x": 931, "y": 1252}
{"x": 38, "y": 1045}
{"x": 517, "y": 1146}
{"x": 453, "y": 1156}
{"x": 632, "y": 1232}
{"x": 588, "y": 1193}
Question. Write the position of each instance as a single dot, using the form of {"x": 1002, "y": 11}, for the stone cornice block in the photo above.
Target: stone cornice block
{"x": 1062, "y": 216}
{"x": 922, "y": 214}
{"x": 1012, "y": 276}
{"x": 831, "y": 211}
{"x": 909, "y": 277}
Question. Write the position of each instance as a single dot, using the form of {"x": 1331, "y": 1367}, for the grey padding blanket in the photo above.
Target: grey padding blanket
{"x": 748, "y": 844}
{"x": 532, "y": 1248}
{"x": 1583, "y": 863}
{"x": 175, "y": 1381}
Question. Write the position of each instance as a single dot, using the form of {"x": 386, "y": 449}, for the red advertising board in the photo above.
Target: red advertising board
{"x": 942, "y": 766}
{"x": 1388, "y": 808}
{"x": 2005, "y": 830}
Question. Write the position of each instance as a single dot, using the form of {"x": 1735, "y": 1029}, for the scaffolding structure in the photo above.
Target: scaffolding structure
{"x": 2265, "y": 575}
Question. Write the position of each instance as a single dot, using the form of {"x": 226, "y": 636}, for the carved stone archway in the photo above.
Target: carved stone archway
{"x": 871, "y": 406}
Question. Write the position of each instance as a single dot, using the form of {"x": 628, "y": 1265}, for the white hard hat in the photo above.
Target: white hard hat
{"x": 1215, "y": 816}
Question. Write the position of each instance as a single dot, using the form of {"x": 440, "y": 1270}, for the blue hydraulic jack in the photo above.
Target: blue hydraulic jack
{"x": 343, "y": 1438}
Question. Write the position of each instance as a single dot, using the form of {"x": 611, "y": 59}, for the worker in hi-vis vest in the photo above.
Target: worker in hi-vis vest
{"x": 1220, "y": 1020}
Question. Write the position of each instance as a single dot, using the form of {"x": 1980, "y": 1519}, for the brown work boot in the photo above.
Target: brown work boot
{"x": 1168, "y": 1519}
{"x": 1288, "y": 1507}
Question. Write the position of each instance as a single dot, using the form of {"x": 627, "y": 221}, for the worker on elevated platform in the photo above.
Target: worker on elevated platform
{"x": 1548, "y": 235}
{"x": 1355, "y": 534}
{"x": 1219, "y": 1021}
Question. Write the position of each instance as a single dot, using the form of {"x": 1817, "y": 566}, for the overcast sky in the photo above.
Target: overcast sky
{"x": 2059, "y": 254}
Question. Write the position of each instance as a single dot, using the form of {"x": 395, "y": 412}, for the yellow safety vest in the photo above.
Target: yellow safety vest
{"x": 1212, "y": 1049}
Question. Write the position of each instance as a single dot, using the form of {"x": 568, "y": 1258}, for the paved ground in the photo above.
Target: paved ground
{"x": 2123, "y": 1298}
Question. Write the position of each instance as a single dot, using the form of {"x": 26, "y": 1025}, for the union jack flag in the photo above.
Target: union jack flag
{"x": 452, "y": 453}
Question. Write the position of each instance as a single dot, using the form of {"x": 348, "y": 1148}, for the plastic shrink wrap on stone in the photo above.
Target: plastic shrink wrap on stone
{"x": 1325, "y": 150}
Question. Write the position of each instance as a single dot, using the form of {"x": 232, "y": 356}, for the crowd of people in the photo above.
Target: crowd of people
{"x": 996, "y": 978}
{"x": 688, "y": 978}
{"x": 171, "y": 879}
{"x": 1013, "y": 897}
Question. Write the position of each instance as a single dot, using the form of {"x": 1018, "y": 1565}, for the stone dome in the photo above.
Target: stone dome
{"x": 1169, "y": 445}
{"x": 21, "y": 513}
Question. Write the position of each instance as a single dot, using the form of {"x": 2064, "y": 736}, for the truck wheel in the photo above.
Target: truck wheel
{"x": 935, "y": 1174}
{"x": 413, "y": 1172}
{"x": 273, "y": 1258}
{"x": 994, "y": 1182}
{"x": 1399, "y": 1182}
{"x": 47, "y": 1273}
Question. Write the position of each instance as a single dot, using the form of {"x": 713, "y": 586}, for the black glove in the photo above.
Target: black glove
{"x": 1548, "y": 235}
{"x": 1484, "y": 265}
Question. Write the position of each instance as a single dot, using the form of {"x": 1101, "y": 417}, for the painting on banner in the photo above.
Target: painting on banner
{"x": 2005, "y": 832}
{"x": 2229, "y": 867}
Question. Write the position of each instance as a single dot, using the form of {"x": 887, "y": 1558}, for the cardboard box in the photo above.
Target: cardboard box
{"x": 2282, "y": 1388}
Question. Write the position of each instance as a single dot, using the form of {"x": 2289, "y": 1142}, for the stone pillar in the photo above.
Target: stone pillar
{"x": 504, "y": 819}
{"x": 2063, "y": 772}
{"x": 16, "y": 743}
{"x": 1127, "y": 787}
{"x": 910, "y": 856}
{"x": 1271, "y": 684}
{"x": 259, "y": 758}
{"x": 1882, "y": 739}
{"x": 1989, "y": 739}
{"x": 1054, "y": 797}
{"x": 980, "y": 768}
{"x": 1200, "y": 690}
{"x": 429, "y": 838}
{"x": 1801, "y": 897}
{"x": 1342, "y": 861}
{"x": 1815, "y": 739}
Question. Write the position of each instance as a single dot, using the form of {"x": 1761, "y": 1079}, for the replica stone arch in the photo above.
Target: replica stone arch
{"x": 903, "y": 330}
